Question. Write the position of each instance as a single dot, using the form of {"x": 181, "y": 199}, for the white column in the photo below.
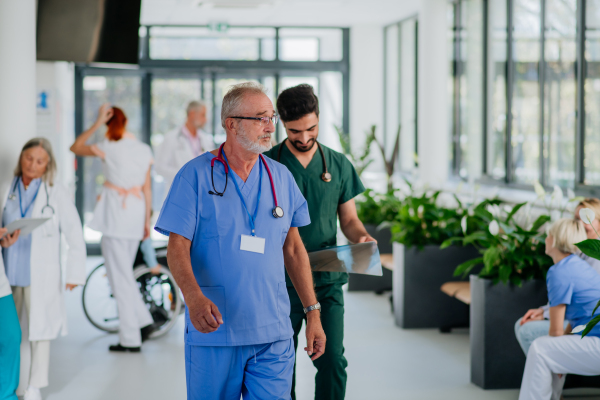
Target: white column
{"x": 17, "y": 80}
{"x": 434, "y": 99}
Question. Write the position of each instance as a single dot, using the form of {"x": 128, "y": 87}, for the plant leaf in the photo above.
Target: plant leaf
{"x": 514, "y": 211}
{"x": 464, "y": 268}
{"x": 542, "y": 219}
{"x": 590, "y": 247}
{"x": 590, "y": 325}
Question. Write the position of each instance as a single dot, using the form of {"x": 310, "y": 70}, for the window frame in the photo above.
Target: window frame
{"x": 204, "y": 70}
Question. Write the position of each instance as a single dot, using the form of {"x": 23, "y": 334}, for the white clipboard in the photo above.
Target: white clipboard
{"x": 26, "y": 225}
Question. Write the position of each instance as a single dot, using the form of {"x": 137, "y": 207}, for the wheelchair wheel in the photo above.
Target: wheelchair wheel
{"x": 162, "y": 296}
{"x": 99, "y": 304}
{"x": 159, "y": 292}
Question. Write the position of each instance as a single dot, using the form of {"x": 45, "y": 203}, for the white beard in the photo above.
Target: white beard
{"x": 251, "y": 146}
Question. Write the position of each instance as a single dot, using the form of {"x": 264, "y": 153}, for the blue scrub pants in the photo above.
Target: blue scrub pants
{"x": 532, "y": 330}
{"x": 256, "y": 372}
{"x": 10, "y": 348}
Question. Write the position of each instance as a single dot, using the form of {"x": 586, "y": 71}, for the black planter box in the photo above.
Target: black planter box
{"x": 418, "y": 276}
{"x": 377, "y": 284}
{"x": 497, "y": 361}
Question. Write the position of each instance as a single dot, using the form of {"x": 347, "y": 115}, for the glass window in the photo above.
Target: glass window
{"x": 182, "y": 43}
{"x": 329, "y": 88}
{"x": 525, "y": 129}
{"x": 560, "y": 89}
{"x": 468, "y": 82}
{"x": 451, "y": 37}
{"x": 400, "y": 91}
{"x": 170, "y": 98}
{"x": 592, "y": 93}
{"x": 309, "y": 44}
{"x": 496, "y": 129}
{"x": 125, "y": 93}
{"x": 392, "y": 85}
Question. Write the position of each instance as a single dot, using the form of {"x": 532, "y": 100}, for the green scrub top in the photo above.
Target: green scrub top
{"x": 323, "y": 199}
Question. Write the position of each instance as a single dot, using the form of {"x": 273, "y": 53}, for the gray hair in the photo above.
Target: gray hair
{"x": 235, "y": 95}
{"x": 48, "y": 176}
{"x": 195, "y": 105}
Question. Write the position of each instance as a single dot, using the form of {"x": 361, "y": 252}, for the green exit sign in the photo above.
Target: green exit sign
{"x": 218, "y": 26}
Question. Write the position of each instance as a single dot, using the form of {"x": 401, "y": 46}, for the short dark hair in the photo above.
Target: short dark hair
{"x": 296, "y": 102}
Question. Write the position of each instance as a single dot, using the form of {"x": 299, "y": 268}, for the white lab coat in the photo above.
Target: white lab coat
{"x": 175, "y": 151}
{"x": 48, "y": 316}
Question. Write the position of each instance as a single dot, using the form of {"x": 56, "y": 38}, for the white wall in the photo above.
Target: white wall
{"x": 434, "y": 138}
{"x": 366, "y": 83}
{"x": 17, "y": 81}
{"x": 55, "y": 121}
{"x": 367, "y": 80}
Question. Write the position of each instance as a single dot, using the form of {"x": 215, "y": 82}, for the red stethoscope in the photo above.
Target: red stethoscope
{"x": 277, "y": 211}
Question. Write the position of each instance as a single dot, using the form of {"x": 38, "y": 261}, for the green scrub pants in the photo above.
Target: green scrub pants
{"x": 10, "y": 348}
{"x": 331, "y": 375}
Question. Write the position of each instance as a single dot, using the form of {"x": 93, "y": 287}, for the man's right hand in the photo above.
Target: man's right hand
{"x": 535, "y": 314}
{"x": 204, "y": 314}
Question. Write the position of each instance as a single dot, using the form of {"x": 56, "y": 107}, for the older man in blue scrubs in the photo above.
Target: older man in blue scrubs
{"x": 232, "y": 217}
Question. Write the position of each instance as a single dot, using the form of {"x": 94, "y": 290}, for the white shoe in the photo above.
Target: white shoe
{"x": 32, "y": 393}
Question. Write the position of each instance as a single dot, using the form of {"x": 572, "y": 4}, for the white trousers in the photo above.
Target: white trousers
{"x": 119, "y": 256}
{"x": 550, "y": 356}
{"x": 35, "y": 356}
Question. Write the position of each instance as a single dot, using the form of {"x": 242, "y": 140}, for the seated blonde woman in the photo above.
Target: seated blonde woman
{"x": 535, "y": 322}
{"x": 573, "y": 291}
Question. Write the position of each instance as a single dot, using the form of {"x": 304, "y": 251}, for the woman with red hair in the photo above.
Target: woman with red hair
{"x": 122, "y": 214}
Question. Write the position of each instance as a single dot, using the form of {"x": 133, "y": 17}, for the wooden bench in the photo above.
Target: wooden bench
{"x": 459, "y": 290}
{"x": 387, "y": 261}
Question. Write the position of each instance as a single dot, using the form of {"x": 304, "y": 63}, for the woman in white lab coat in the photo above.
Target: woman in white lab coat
{"x": 122, "y": 214}
{"x": 33, "y": 263}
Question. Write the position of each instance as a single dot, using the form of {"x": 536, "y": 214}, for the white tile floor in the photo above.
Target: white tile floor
{"x": 384, "y": 362}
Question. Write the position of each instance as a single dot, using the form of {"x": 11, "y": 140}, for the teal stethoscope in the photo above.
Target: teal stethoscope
{"x": 13, "y": 196}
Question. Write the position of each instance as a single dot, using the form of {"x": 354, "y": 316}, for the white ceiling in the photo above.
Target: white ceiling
{"x": 342, "y": 13}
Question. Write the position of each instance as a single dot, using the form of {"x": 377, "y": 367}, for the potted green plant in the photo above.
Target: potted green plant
{"x": 421, "y": 225}
{"x": 510, "y": 282}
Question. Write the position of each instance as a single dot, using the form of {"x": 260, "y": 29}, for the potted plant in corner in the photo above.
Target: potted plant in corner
{"x": 511, "y": 281}
{"x": 421, "y": 266}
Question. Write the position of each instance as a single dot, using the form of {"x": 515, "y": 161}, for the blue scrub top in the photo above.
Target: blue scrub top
{"x": 17, "y": 258}
{"x": 573, "y": 282}
{"x": 248, "y": 288}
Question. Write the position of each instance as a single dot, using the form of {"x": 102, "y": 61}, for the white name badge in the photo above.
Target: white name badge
{"x": 253, "y": 243}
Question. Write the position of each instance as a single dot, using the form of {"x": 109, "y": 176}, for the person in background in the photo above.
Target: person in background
{"x": 33, "y": 263}
{"x": 573, "y": 291}
{"x": 535, "y": 323}
{"x": 10, "y": 334}
{"x": 183, "y": 144}
{"x": 329, "y": 183}
{"x": 149, "y": 254}
{"x": 122, "y": 214}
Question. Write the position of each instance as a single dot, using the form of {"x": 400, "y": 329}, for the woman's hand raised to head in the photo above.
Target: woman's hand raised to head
{"x": 105, "y": 113}
{"x": 8, "y": 240}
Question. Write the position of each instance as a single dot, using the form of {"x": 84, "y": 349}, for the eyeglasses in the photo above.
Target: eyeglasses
{"x": 263, "y": 120}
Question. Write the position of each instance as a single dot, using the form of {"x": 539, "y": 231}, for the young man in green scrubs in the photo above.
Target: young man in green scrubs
{"x": 329, "y": 188}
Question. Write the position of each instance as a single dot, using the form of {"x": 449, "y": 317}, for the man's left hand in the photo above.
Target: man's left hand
{"x": 366, "y": 238}
{"x": 315, "y": 336}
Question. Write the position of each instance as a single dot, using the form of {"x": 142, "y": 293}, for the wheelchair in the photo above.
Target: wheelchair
{"x": 159, "y": 292}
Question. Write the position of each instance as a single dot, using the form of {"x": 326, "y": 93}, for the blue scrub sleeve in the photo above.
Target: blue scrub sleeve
{"x": 560, "y": 289}
{"x": 301, "y": 216}
{"x": 180, "y": 210}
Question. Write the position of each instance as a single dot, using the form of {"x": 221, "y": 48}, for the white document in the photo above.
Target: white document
{"x": 26, "y": 225}
{"x": 253, "y": 243}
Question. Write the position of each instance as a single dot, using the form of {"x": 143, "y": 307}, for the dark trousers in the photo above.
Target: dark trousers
{"x": 331, "y": 375}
